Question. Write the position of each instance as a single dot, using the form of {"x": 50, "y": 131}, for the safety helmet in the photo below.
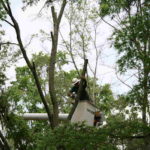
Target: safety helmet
{"x": 75, "y": 80}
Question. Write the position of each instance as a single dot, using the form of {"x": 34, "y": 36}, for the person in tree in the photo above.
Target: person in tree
{"x": 74, "y": 90}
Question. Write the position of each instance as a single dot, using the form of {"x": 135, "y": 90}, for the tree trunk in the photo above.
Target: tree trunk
{"x": 54, "y": 36}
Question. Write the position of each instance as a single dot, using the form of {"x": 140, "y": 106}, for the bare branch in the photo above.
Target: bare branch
{"x": 8, "y": 22}
{"x": 8, "y": 43}
{"x": 54, "y": 15}
{"x": 91, "y": 69}
{"x": 71, "y": 54}
{"x": 61, "y": 11}
{"x": 98, "y": 52}
{"x": 29, "y": 42}
{"x": 123, "y": 81}
{"x": 109, "y": 24}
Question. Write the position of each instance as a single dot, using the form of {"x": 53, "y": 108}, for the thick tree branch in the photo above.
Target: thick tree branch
{"x": 17, "y": 29}
{"x": 54, "y": 36}
{"x": 61, "y": 11}
{"x": 54, "y": 15}
{"x": 31, "y": 66}
{"x": 79, "y": 90}
{"x": 52, "y": 76}
{"x": 41, "y": 94}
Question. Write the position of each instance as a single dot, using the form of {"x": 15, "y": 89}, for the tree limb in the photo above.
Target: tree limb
{"x": 54, "y": 36}
{"x": 123, "y": 81}
{"x": 109, "y": 24}
{"x": 79, "y": 90}
{"x": 71, "y": 54}
{"x": 8, "y": 43}
{"x": 61, "y": 11}
{"x": 17, "y": 29}
{"x": 7, "y": 22}
{"x": 31, "y": 67}
{"x": 41, "y": 94}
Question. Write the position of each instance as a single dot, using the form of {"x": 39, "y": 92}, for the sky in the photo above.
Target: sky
{"x": 31, "y": 24}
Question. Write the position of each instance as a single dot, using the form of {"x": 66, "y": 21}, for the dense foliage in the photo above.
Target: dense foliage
{"x": 127, "y": 116}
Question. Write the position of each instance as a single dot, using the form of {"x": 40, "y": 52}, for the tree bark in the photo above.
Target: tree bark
{"x": 80, "y": 90}
{"x": 54, "y": 36}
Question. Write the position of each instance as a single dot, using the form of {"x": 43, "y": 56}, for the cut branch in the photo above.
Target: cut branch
{"x": 79, "y": 90}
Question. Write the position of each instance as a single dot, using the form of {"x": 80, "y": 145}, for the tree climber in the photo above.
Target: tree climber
{"x": 74, "y": 90}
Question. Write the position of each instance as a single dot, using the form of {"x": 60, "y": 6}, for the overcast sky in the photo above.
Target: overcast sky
{"x": 31, "y": 24}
